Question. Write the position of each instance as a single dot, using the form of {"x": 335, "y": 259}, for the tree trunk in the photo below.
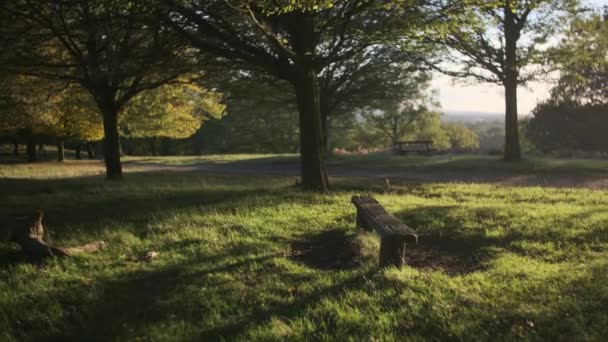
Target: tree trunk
{"x": 90, "y": 151}
{"x": 111, "y": 146}
{"x": 512, "y": 150}
{"x": 31, "y": 149}
{"x": 15, "y": 148}
{"x": 78, "y": 154}
{"x": 41, "y": 149}
{"x": 314, "y": 176}
{"x": 313, "y": 172}
{"x": 60, "y": 150}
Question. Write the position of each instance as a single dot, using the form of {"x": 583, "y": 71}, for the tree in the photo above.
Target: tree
{"x": 38, "y": 107}
{"x": 171, "y": 111}
{"x": 575, "y": 116}
{"x": 568, "y": 126}
{"x": 498, "y": 41}
{"x": 582, "y": 59}
{"x": 26, "y": 110}
{"x": 261, "y": 117}
{"x": 381, "y": 74}
{"x": 291, "y": 41}
{"x": 73, "y": 115}
{"x": 114, "y": 49}
{"x": 398, "y": 116}
{"x": 368, "y": 79}
{"x": 461, "y": 137}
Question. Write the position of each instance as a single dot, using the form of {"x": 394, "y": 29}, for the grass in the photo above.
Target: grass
{"x": 438, "y": 163}
{"x": 252, "y": 258}
{"x": 213, "y": 159}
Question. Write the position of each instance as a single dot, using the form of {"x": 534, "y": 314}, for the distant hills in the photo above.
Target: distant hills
{"x": 472, "y": 117}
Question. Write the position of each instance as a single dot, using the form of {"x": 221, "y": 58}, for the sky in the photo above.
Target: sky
{"x": 458, "y": 96}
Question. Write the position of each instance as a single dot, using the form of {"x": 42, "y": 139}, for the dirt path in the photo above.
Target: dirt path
{"x": 291, "y": 169}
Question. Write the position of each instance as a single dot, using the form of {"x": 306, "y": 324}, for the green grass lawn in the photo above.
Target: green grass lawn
{"x": 252, "y": 258}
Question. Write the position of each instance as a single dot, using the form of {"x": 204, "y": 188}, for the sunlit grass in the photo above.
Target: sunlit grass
{"x": 493, "y": 262}
{"x": 212, "y": 158}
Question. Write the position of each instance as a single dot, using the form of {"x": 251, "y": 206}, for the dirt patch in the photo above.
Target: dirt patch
{"x": 450, "y": 256}
{"x": 329, "y": 250}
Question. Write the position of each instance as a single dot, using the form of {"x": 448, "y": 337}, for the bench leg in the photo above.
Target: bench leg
{"x": 392, "y": 252}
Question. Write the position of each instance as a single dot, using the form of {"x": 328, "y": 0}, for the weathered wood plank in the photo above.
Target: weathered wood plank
{"x": 371, "y": 215}
{"x": 393, "y": 234}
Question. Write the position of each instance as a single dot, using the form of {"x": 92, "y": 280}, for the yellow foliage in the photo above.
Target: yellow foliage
{"x": 76, "y": 115}
{"x": 170, "y": 111}
{"x": 45, "y": 107}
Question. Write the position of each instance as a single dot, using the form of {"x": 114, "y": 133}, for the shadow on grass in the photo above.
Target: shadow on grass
{"x": 288, "y": 310}
{"x": 327, "y": 250}
{"x": 92, "y": 203}
{"x": 446, "y": 244}
{"x": 128, "y": 306}
{"x": 134, "y": 304}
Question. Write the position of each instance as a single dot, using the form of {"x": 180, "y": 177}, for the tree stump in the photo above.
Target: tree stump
{"x": 29, "y": 234}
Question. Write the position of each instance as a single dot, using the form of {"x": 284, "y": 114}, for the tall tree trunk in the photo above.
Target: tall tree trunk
{"x": 77, "y": 150}
{"x": 90, "y": 151}
{"x": 31, "y": 149}
{"x": 60, "y": 150}
{"x": 314, "y": 176}
{"x": 41, "y": 149}
{"x": 512, "y": 150}
{"x": 15, "y": 148}
{"x": 313, "y": 172}
{"x": 111, "y": 143}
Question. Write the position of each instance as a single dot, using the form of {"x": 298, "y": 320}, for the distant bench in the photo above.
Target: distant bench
{"x": 393, "y": 234}
{"x": 420, "y": 146}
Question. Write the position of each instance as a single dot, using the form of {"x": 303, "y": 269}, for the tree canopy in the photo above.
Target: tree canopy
{"x": 114, "y": 49}
{"x": 293, "y": 41}
{"x": 574, "y": 117}
{"x": 170, "y": 111}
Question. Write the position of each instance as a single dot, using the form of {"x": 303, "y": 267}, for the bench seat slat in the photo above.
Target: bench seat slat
{"x": 393, "y": 234}
{"x": 374, "y": 216}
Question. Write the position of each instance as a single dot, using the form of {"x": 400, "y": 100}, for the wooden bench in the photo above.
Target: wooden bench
{"x": 393, "y": 234}
{"x": 421, "y": 147}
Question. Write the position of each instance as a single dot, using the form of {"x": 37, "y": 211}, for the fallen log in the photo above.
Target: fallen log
{"x": 28, "y": 232}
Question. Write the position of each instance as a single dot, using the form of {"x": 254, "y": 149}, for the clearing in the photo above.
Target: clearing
{"x": 252, "y": 258}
